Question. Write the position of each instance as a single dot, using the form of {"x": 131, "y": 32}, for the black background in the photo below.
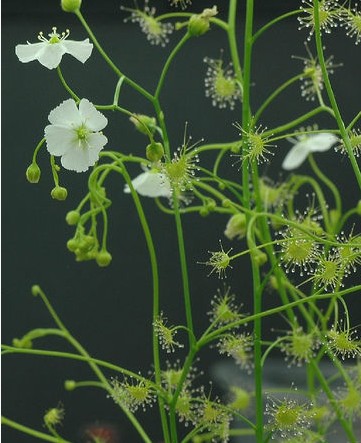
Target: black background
{"x": 109, "y": 310}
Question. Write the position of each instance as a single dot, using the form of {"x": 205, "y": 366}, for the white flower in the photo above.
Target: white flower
{"x": 50, "y": 51}
{"x": 74, "y": 134}
{"x": 306, "y": 144}
{"x": 151, "y": 183}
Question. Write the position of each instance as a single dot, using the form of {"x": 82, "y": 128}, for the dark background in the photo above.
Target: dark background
{"x": 108, "y": 310}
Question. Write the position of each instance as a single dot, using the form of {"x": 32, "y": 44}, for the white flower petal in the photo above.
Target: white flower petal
{"x": 51, "y": 55}
{"x": 59, "y": 140}
{"x": 93, "y": 119}
{"x": 309, "y": 143}
{"x": 76, "y": 159}
{"x": 80, "y": 50}
{"x": 321, "y": 142}
{"x": 96, "y": 141}
{"x": 150, "y": 184}
{"x": 296, "y": 156}
{"x": 28, "y": 53}
{"x": 66, "y": 114}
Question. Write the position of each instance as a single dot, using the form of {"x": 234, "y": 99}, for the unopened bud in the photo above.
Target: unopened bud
{"x": 72, "y": 217}
{"x": 59, "y": 193}
{"x": 103, "y": 258}
{"x": 259, "y": 257}
{"x": 144, "y": 123}
{"x": 199, "y": 24}
{"x": 69, "y": 385}
{"x": 33, "y": 173}
{"x": 236, "y": 227}
{"x": 70, "y": 5}
{"x": 154, "y": 152}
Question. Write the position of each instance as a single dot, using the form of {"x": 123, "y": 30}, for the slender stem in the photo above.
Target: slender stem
{"x": 232, "y": 40}
{"x": 274, "y": 22}
{"x": 33, "y": 432}
{"x": 184, "y": 270}
{"x": 108, "y": 60}
{"x": 155, "y": 278}
{"x": 331, "y": 95}
{"x": 66, "y": 86}
{"x": 163, "y": 74}
{"x": 275, "y": 94}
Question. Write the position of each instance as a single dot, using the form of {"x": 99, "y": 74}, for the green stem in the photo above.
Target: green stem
{"x": 232, "y": 40}
{"x": 130, "y": 82}
{"x": 184, "y": 270}
{"x": 275, "y": 94}
{"x": 66, "y": 86}
{"x": 331, "y": 95}
{"x": 327, "y": 182}
{"x": 38, "y": 291}
{"x": 168, "y": 63}
{"x": 32, "y": 432}
{"x": 155, "y": 278}
{"x": 326, "y": 389}
{"x": 274, "y": 22}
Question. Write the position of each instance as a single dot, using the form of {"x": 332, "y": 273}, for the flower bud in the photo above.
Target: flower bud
{"x": 72, "y": 217}
{"x": 259, "y": 257}
{"x": 70, "y": 5}
{"x": 154, "y": 152}
{"x": 59, "y": 193}
{"x": 236, "y": 227}
{"x": 199, "y": 23}
{"x": 22, "y": 343}
{"x": 35, "y": 290}
{"x": 241, "y": 398}
{"x": 33, "y": 173}
{"x": 72, "y": 245}
{"x": 103, "y": 258}
{"x": 144, "y": 123}
{"x": 69, "y": 385}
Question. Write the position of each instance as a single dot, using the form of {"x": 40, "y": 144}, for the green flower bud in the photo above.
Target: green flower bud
{"x": 59, "y": 193}
{"x": 236, "y": 227}
{"x": 23, "y": 343}
{"x": 35, "y": 290}
{"x": 72, "y": 217}
{"x": 241, "y": 398}
{"x": 33, "y": 173}
{"x": 211, "y": 204}
{"x": 103, "y": 258}
{"x": 144, "y": 123}
{"x": 72, "y": 245}
{"x": 203, "y": 212}
{"x": 199, "y": 24}
{"x": 69, "y": 385}
{"x": 70, "y": 5}
{"x": 154, "y": 152}
{"x": 259, "y": 257}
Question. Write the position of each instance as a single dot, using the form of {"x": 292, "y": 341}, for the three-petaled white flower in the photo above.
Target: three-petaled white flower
{"x": 151, "y": 183}
{"x": 50, "y": 51}
{"x": 305, "y": 144}
{"x": 74, "y": 134}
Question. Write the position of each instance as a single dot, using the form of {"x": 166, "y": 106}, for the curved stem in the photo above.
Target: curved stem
{"x": 33, "y": 432}
{"x": 130, "y": 82}
{"x": 331, "y": 95}
{"x": 168, "y": 63}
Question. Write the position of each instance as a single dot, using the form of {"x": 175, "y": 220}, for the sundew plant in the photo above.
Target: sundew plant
{"x": 307, "y": 255}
